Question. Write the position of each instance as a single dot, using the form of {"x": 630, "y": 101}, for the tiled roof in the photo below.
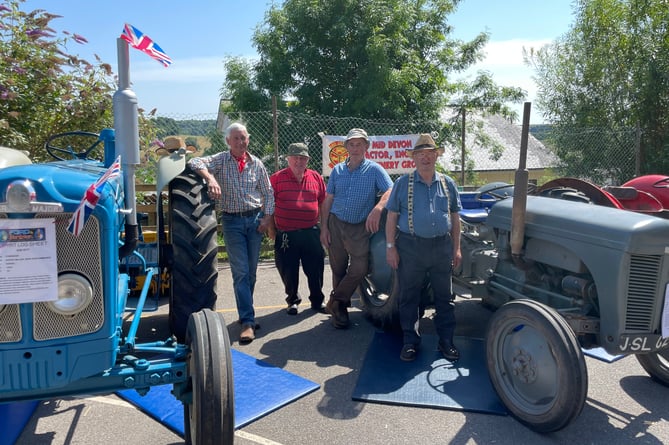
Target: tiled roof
{"x": 506, "y": 134}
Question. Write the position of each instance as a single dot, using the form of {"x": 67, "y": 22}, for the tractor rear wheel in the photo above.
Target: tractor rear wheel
{"x": 536, "y": 365}
{"x": 209, "y": 418}
{"x": 193, "y": 240}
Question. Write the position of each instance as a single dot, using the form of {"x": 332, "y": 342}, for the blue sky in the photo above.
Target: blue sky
{"x": 199, "y": 34}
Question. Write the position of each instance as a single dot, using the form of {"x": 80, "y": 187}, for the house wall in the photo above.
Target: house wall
{"x": 484, "y": 177}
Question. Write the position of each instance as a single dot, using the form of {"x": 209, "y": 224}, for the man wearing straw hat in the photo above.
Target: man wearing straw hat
{"x": 350, "y": 214}
{"x": 423, "y": 241}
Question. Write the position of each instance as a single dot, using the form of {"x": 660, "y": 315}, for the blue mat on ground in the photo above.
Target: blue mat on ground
{"x": 13, "y": 418}
{"x": 260, "y": 388}
{"x": 430, "y": 380}
{"x": 601, "y": 354}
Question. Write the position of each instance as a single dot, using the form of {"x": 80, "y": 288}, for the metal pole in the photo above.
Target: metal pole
{"x": 462, "y": 149}
{"x": 276, "y": 134}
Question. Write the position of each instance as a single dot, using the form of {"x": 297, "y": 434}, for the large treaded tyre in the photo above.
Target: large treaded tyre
{"x": 536, "y": 365}
{"x": 209, "y": 415}
{"x": 380, "y": 290}
{"x": 192, "y": 236}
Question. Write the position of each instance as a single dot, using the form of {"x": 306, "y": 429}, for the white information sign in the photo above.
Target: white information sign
{"x": 28, "y": 265}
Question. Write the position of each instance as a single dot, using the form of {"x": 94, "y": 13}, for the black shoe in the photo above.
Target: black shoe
{"x": 291, "y": 309}
{"x": 320, "y": 308}
{"x": 339, "y": 313}
{"x": 408, "y": 353}
{"x": 449, "y": 351}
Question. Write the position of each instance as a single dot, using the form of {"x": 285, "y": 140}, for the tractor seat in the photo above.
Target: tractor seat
{"x": 474, "y": 216}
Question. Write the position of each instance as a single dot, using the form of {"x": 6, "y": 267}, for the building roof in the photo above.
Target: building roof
{"x": 508, "y": 136}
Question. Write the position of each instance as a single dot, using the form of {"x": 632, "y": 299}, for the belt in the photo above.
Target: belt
{"x": 420, "y": 238}
{"x": 245, "y": 214}
{"x": 298, "y": 230}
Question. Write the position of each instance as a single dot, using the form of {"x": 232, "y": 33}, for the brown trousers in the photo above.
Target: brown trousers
{"x": 349, "y": 257}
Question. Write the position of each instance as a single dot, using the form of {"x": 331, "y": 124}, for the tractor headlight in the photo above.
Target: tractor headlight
{"x": 20, "y": 194}
{"x": 75, "y": 293}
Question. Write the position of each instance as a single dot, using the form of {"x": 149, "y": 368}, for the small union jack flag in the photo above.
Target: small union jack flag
{"x": 91, "y": 197}
{"x": 142, "y": 42}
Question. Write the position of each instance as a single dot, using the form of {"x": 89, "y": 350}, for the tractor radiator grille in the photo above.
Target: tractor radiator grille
{"x": 80, "y": 254}
{"x": 10, "y": 324}
{"x": 642, "y": 288}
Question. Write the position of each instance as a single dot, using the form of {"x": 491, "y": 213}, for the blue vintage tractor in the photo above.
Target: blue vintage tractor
{"x": 63, "y": 296}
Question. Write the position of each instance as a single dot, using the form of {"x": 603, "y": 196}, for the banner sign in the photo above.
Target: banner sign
{"x": 388, "y": 151}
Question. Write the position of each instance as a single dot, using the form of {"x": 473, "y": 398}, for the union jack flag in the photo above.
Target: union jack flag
{"x": 142, "y": 42}
{"x": 91, "y": 197}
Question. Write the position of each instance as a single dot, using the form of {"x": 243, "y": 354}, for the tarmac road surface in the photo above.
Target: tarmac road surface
{"x": 623, "y": 404}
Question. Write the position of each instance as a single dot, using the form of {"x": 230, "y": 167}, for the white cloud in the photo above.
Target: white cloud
{"x": 504, "y": 60}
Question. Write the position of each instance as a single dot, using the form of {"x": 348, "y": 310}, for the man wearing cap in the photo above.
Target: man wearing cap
{"x": 350, "y": 215}
{"x": 239, "y": 183}
{"x": 298, "y": 194}
{"x": 423, "y": 241}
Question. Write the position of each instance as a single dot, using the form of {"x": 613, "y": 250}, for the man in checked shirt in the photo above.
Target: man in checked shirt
{"x": 238, "y": 181}
{"x": 350, "y": 214}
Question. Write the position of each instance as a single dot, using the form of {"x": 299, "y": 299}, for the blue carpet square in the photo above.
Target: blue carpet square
{"x": 260, "y": 388}
{"x": 430, "y": 380}
{"x": 602, "y": 355}
{"x": 13, "y": 418}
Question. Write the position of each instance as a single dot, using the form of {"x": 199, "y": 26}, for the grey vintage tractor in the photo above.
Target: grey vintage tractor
{"x": 64, "y": 292}
{"x": 562, "y": 275}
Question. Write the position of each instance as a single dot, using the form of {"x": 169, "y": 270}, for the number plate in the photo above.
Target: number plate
{"x": 642, "y": 343}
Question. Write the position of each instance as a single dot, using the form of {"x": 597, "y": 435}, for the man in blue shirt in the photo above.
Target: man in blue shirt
{"x": 350, "y": 214}
{"x": 423, "y": 240}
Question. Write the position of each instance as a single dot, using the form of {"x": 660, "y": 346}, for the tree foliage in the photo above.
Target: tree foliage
{"x": 609, "y": 71}
{"x": 372, "y": 58}
{"x": 44, "y": 89}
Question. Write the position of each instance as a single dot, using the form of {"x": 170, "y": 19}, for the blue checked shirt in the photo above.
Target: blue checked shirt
{"x": 243, "y": 191}
{"x": 355, "y": 191}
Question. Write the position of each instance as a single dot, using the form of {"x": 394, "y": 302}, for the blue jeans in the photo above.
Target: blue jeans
{"x": 242, "y": 243}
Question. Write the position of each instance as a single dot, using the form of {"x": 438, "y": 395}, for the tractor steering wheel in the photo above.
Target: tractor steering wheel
{"x": 76, "y": 143}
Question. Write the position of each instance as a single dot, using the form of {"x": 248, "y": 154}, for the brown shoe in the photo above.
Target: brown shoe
{"x": 248, "y": 334}
{"x": 339, "y": 313}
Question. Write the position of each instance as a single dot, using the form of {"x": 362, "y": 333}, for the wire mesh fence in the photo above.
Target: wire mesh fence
{"x": 600, "y": 155}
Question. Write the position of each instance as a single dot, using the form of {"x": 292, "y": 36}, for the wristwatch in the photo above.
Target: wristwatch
{"x": 389, "y": 245}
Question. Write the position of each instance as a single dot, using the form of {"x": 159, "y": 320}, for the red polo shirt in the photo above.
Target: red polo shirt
{"x": 297, "y": 204}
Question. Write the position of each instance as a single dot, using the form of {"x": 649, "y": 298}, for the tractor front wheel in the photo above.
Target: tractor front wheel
{"x": 536, "y": 365}
{"x": 209, "y": 416}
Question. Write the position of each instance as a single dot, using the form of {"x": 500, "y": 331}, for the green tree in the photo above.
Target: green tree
{"x": 372, "y": 58}
{"x": 604, "y": 86}
{"x": 43, "y": 88}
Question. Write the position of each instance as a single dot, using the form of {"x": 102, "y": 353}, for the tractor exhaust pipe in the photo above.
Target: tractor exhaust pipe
{"x": 126, "y": 128}
{"x": 520, "y": 189}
